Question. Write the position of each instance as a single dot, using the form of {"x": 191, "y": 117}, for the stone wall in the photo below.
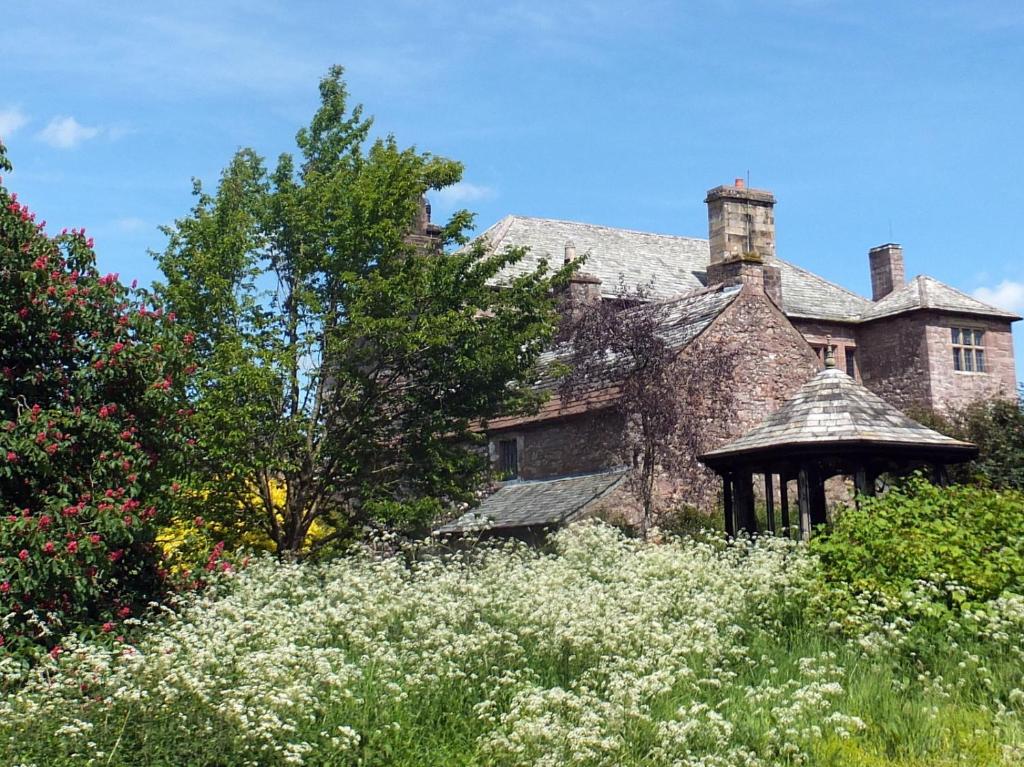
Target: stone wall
{"x": 954, "y": 388}
{"x": 772, "y": 359}
{"x": 573, "y": 445}
{"x": 908, "y": 360}
{"x": 893, "y": 356}
{"x": 844, "y": 339}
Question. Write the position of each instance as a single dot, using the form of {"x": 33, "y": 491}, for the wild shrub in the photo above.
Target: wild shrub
{"x": 91, "y": 428}
{"x": 970, "y": 536}
{"x": 996, "y": 426}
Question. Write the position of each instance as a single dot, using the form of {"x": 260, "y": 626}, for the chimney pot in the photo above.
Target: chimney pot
{"x": 739, "y": 183}
{"x": 570, "y": 251}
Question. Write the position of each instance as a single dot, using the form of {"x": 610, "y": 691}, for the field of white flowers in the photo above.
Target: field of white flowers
{"x": 602, "y": 651}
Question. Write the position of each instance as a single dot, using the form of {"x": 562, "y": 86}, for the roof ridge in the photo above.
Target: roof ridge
{"x": 718, "y": 287}
{"x": 565, "y": 477}
{"x": 926, "y": 286}
{"x": 605, "y": 227}
{"x": 501, "y": 227}
{"x": 966, "y": 295}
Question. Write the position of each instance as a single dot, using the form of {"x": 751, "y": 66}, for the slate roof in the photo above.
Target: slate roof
{"x": 536, "y": 503}
{"x": 670, "y": 265}
{"x": 925, "y": 292}
{"x": 682, "y": 319}
{"x": 833, "y": 410}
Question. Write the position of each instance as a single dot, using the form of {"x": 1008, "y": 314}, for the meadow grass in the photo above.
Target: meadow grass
{"x": 602, "y": 651}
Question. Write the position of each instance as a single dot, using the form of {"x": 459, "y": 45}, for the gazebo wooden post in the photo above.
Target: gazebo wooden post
{"x": 727, "y": 504}
{"x": 743, "y": 500}
{"x": 803, "y": 499}
{"x": 784, "y": 503}
{"x": 819, "y": 515}
{"x": 864, "y": 481}
{"x": 769, "y": 501}
{"x": 940, "y": 475}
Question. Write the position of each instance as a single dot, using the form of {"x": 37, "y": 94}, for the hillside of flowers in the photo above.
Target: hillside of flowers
{"x": 602, "y": 650}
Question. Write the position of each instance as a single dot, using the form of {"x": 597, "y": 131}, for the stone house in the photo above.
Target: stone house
{"x": 916, "y": 344}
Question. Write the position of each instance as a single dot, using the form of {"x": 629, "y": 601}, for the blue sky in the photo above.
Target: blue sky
{"x": 870, "y": 121}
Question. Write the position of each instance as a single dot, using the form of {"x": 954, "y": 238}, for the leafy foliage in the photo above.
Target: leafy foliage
{"x": 919, "y": 532}
{"x": 996, "y": 426}
{"x": 342, "y": 359}
{"x": 92, "y": 428}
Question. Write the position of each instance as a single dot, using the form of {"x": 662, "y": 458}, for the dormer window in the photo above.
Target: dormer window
{"x": 968, "y": 350}
{"x": 508, "y": 459}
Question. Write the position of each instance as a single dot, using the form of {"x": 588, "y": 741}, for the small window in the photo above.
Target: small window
{"x": 968, "y": 350}
{"x": 851, "y": 362}
{"x": 508, "y": 458}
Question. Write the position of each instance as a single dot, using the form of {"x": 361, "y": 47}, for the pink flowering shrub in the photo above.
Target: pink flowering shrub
{"x": 92, "y": 431}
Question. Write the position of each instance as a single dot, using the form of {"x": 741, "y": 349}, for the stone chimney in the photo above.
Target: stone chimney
{"x": 741, "y": 234}
{"x": 423, "y": 234}
{"x": 741, "y": 223}
{"x": 584, "y": 289}
{"x": 887, "y": 272}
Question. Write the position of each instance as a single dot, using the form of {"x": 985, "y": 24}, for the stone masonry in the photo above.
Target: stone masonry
{"x": 887, "y": 275}
{"x": 955, "y": 388}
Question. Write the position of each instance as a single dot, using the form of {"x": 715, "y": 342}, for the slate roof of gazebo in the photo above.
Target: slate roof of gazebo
{"x": 834, "y": 413}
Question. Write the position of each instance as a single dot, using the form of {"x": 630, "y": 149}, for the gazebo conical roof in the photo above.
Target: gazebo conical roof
{"x": 833, "y": 414}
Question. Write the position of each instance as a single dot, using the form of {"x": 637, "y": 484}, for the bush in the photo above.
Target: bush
{"x": 919, "y": 532}
{"x": 91, "y": 377}
{"x": 996, "y": 426}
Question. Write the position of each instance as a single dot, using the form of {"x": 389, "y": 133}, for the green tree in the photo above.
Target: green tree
{"x": 344, "y": 367}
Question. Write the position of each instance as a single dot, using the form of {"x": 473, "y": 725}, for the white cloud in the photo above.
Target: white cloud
{"x": 67, "y": 133}
{"x": 10, "y": 120}
{"x": 1008, "y": 294}
{"x": 464, "y": 192}
{"x": 130, "y": 224}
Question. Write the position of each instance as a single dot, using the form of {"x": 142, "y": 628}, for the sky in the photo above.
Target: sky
{"x": 870, "y": 121}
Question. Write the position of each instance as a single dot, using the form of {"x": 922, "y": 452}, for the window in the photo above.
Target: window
{"x": 508, "y": 459}
{"x": 851, "y": 362}
{"x": 968, "y": 350}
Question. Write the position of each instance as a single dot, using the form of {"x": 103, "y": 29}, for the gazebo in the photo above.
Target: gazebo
{"x": 832, "y": 426}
